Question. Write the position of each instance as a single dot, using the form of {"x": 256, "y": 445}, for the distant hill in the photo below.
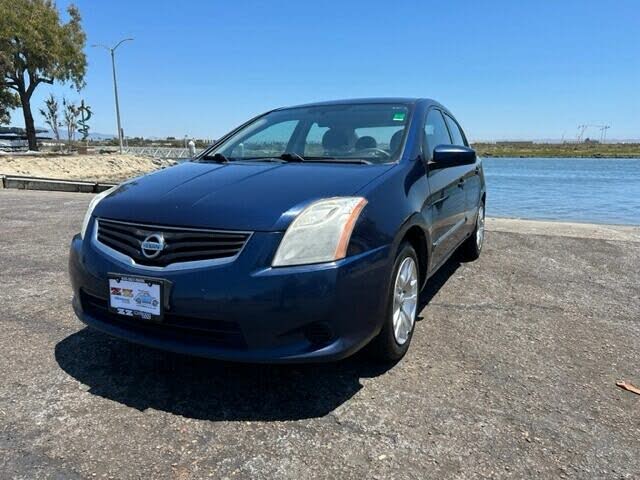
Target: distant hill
{"x": 92, "y": 135}
{"x": 550, "y": 140}
{"x": 45, "y": 132}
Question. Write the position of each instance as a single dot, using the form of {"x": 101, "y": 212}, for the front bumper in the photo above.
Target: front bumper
{"x": 245, "y": 310}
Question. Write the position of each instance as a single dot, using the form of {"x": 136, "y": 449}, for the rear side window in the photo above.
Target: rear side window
{"x": 435, "y": 131}
{"x": 456, "y": 135}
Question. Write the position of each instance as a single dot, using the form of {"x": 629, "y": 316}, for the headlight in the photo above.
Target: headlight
{"x": 92, "y": 206}
{"x": 320, "y": 233}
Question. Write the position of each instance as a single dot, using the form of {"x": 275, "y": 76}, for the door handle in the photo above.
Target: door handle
{"x": 439, "y": 201}
{"x": 477, "y": 170}
{"x": 461, "y": 183}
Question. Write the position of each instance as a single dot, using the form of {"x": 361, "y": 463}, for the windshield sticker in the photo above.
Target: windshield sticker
{"x": 398, "y": 117}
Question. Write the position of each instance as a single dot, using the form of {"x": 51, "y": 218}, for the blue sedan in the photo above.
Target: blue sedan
{"x": 303, "y": 235}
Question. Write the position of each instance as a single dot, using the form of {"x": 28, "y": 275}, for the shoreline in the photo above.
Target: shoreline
{"x": 560, "y": 228}
{"x": 557, "y": 150}
{"x": 64, "y": 172}
{"x": 558, "y": 157}
{"x": 559, "y": 220}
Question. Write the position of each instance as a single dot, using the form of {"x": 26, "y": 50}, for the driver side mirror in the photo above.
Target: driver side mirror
{"x": 445, "y": 156}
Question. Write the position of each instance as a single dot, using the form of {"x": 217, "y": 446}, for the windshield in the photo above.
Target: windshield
{"x": 370, "y": 133}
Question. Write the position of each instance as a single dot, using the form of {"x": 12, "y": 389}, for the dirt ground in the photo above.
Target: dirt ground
{"x": 511, "y": 374}
{"x": 93, "y": 167}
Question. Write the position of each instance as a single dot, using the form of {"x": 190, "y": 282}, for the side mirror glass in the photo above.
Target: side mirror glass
{"x": 445, "y": 156}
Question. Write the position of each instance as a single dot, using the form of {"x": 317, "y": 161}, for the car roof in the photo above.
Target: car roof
{"x": 357, "y": 101}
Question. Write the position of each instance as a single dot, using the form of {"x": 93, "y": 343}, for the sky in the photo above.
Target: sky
{"x": 506, "y": 69}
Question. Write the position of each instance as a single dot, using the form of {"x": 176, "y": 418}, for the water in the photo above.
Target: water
{"x": 595, "y": 190}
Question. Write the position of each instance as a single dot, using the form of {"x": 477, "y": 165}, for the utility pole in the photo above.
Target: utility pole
{"x": 112, "y": 51}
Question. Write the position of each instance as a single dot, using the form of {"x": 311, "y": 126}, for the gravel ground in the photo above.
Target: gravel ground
{"x": 511, "y": 373}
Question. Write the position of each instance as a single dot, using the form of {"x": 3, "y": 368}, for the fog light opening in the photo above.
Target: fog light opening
{"x": 318, "y": 333}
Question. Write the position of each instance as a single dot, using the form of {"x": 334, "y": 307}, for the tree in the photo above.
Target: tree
{"x": 8, "y": 101}
{"x": 51, "y": 113}
{"x": 70, "y": 114}
{"x": 36, "y": 47}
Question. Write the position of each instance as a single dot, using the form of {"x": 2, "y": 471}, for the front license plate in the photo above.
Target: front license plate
{"x": 136, "y": 297}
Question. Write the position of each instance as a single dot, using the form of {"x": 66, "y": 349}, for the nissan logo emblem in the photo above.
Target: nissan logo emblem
{"x": 152, "y": 245}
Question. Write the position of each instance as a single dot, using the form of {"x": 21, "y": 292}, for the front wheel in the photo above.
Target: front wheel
{"x": 472, "y": 246}
{"x": 393, "y": 340}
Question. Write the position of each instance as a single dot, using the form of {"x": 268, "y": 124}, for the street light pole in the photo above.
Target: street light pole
{"x": 115, "y": 92}
{"x": 112, "y": 51}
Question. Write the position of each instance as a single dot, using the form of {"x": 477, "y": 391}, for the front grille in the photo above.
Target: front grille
{"x": 220, "y": 333}
{"x": 181, "y": 244}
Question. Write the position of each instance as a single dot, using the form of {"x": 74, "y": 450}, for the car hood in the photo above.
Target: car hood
{"x": 233, "y": 196}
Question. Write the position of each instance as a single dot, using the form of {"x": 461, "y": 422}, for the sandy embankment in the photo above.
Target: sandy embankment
{"x": 92, "y": 167}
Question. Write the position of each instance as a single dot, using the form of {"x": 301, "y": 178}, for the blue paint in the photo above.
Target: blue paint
{"x": 247, "y": 309}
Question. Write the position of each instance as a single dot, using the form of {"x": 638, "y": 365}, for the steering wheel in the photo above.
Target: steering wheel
{"x": 375, "y": 150}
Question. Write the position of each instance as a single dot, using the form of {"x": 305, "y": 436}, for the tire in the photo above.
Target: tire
{"x": 397, "y": 330}
{"x": 472, "y": 246}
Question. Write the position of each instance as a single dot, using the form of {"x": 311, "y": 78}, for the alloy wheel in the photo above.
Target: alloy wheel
{"x": 405, "y": 300}
{"x": 480, "y": 227}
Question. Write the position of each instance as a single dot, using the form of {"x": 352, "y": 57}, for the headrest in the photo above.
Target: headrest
{"x": 366, "y": 142}
{"x": 334, "y": 139}
{"x": 394, "y": 143}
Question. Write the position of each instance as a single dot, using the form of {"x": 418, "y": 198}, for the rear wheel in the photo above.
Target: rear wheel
{"x": 472, "y": 246}
{"x": 394, "y": 338}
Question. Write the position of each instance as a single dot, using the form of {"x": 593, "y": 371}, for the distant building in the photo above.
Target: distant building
{"x": 15, "y": 138}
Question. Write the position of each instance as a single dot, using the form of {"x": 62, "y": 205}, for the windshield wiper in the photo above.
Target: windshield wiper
{"x": 218, "y": 158}
{"x": 360, "y": 161}
{"x": 260, "y": 159}
{"x": 286, "y": 157}
{"x": 291, "y": 157}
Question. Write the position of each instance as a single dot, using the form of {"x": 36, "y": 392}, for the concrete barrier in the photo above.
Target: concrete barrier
{"x": 53, "y": 184}
{"x": 101, "y": 187}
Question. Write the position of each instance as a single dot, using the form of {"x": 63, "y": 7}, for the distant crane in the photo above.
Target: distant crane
{"x": 603, "y": 131}
{"x": 581, "y": 129}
